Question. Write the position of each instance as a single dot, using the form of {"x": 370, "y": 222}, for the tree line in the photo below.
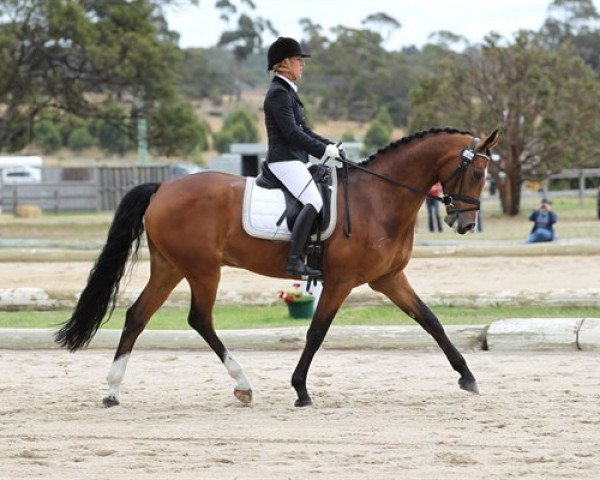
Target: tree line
{"x": 77, "y": 73}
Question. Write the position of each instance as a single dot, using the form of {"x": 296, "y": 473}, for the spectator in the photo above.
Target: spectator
{"x": 493, "y": 187}
{"x": 433, "y": 208}
{"x": 480, "y": 218}
{"x": 544, "y": 219}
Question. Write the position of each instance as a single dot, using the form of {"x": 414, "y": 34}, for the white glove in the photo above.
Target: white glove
{"x": 331, "y": 151}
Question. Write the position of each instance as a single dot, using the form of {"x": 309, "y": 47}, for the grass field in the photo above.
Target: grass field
{"x": 242, "y": 317}
{"x": 575, "y": 221}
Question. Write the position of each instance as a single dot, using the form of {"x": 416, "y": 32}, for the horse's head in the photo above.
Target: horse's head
{"x": 463, "y": 179}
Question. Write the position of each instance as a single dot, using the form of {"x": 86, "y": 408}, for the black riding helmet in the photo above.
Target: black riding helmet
{"x": 281, "y": 48}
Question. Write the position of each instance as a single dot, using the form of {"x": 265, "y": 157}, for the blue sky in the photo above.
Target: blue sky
{"x": 201, "y": 26}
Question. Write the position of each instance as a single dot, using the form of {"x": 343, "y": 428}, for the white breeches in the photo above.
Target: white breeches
{"x": 295, "y": 176}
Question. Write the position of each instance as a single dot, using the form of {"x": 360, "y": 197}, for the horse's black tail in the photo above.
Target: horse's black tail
{"x": 103, "y": 283}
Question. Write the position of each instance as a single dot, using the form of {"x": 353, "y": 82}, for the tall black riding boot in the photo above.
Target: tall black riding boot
{"x": 294, "y": 265}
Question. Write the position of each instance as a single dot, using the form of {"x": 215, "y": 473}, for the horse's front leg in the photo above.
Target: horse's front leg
{"x": 331, "y": 299}
{"x": 397, "y": 288}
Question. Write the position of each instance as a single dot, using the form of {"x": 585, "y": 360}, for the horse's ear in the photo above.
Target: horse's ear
{"x": 490, "y": 142}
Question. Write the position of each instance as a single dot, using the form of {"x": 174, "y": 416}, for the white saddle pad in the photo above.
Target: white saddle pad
{"x": 262, "y": 208}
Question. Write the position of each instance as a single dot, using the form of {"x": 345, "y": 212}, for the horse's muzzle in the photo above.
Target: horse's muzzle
{"x": 464, "y": 224}
{"x": 466, "y": 228}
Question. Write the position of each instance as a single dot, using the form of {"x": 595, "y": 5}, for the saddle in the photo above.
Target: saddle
{"x": 321, "y": 175}
{"x": 270, "y": 210}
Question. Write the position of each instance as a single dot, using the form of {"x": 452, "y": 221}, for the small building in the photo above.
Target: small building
{"x": 243, "y": 159}
{"x": 226, "y": 162}
{"x": 251, "y": 156}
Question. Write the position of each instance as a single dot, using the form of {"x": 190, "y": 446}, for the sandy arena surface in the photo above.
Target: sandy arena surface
{"x": 428, "y": 275}
{"x": 377, "y": 415}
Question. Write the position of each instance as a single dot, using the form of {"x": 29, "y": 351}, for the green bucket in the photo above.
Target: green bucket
{"x": 301, "y": 309}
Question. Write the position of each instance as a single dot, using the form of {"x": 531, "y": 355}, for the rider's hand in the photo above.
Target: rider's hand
{"x": 341, "y": 150}
{"x": 331, "y": 151}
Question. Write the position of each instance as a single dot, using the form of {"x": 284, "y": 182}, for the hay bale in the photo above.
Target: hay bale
{"x": 28, "y": 211}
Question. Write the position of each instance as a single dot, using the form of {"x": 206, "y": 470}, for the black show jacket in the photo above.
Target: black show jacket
{"x": 289, "y": 137}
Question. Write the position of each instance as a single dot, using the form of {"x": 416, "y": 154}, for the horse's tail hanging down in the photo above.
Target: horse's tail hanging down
{"x": 103, "y": 283}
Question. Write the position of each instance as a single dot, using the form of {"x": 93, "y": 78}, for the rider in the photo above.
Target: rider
{"x": 290, "y": 143}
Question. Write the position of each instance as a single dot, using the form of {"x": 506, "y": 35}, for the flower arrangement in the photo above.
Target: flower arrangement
{"x": 296, "y": 295}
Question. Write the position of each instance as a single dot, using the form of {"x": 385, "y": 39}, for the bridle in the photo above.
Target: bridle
{"x": 467, "y": 157}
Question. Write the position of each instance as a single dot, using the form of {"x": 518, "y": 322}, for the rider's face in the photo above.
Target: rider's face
{"x": 296, "y": 67}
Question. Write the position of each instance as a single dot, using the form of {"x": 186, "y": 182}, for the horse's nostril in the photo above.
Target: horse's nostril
{"x": 469, "y": 227}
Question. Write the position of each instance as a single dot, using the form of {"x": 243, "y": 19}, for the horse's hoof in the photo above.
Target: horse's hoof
{"x": 244, "y": 396}
{"x": 469, "y": 385}
{"x": 110, "y": 402}
{"x": 303, "y": 402}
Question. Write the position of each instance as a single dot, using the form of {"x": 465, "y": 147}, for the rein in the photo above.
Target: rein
{"x": 467, "y": 156}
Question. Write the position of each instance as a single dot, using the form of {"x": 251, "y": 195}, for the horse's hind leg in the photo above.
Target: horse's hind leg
{"x": 163, "y": 279}
{"x": 397, "y": 288}
{"x": 204, "y": 293}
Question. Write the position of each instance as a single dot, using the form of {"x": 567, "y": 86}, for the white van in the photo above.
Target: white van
{"x": 22, "y": 174}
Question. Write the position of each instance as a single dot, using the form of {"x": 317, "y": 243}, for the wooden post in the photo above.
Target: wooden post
{"x": 581, "y": 187}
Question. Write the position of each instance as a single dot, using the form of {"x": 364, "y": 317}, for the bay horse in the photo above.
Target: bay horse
{"x": 194, "y": 226}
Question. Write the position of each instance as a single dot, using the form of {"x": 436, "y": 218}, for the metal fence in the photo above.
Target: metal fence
{"x": 50, "y": 197}
{"x": 80, "y": 189}
{"x": 114, "y": 182}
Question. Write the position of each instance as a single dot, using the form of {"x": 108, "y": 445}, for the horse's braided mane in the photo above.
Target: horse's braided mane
{"x": 415, "y": 136}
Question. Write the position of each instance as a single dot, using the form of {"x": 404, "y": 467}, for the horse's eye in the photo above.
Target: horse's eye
{"x": 477, "y": 175}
